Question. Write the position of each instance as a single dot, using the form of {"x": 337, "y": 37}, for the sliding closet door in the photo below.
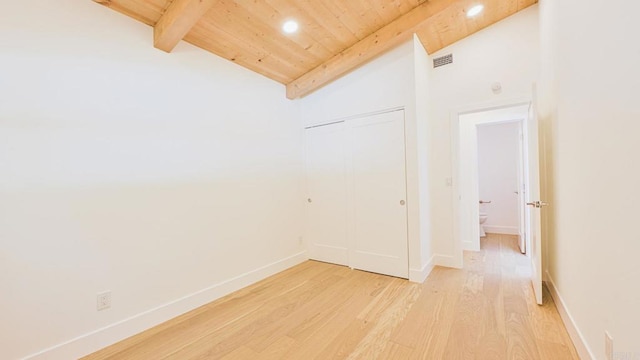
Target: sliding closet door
{"x": 378, "y": 197}
{"x": 327, "y": 194}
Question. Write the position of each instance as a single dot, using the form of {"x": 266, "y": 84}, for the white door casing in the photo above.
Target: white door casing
{"x": 466, "y": 159}
{"x": 533, "y": 197}
{"x": 521, "y": 192}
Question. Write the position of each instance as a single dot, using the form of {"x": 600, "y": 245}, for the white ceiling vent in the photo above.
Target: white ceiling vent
{"x": 443, "y": 60}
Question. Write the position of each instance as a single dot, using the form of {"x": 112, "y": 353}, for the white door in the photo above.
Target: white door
{"x": 533, "y": 199}
{"x": 378, "y": 196}
{"x": 327, "y": 194}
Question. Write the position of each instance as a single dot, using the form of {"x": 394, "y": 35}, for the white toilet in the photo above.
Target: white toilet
{"x": 483, "y": 219}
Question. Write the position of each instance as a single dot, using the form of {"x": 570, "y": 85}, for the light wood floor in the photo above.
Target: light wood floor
{"x": 322, "y": 311}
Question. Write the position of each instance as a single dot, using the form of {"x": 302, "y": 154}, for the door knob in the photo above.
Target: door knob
{"x": 402, "y": 202}
{"x": 309, "y": 200}
{"x": 537, "y": 204}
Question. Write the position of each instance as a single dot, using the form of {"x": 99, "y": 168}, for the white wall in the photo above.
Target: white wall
{"x": 498, "y": 167}
{"x": 124, "y": 168}
{"x": 506, "y": 52}
{"x": 384, "y": 83}
{"x": 589, "y": 112}
{"x": 388, "y": 82}
{"x": 422, "y": 77}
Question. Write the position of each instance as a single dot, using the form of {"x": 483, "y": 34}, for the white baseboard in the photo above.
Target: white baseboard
{"x": 506, "y": 230}
{"x": 419, "y": 276}
{"x": 101, "y": 338}
{"x": 576, "y": 336}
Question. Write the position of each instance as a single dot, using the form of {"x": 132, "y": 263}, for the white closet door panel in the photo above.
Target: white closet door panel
{"x": 378, "y": 182}
{"x": 327, "y": 194}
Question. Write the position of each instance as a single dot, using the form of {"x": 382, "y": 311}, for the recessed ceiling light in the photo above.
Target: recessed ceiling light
{"x": 290, "y": 27}
{"x": 475, "y": 10}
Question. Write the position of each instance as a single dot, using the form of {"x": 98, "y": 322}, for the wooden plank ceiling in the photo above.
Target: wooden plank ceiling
{"x": 335, "y": 36}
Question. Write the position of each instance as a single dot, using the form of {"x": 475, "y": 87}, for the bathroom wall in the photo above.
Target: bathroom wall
{"x": 498, "y": 167}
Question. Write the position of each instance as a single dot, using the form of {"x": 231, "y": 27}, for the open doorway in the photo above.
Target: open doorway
{"x": 492, "y": 157}
{"x": 500, "y": 158}
{"x": 465, "y": 125}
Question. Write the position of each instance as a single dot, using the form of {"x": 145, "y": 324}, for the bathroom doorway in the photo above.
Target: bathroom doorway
{"x": 491, "y": 144}
{"x": 465, "y": 124}
{"x": 501, "y": 179}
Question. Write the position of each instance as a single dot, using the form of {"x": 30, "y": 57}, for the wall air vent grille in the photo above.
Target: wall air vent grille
{"x": 443, "y": 60}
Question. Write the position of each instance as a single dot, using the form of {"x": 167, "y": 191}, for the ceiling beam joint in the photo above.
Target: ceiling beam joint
{"x": 177, "y": 21}
{"x": 389, "y": 36}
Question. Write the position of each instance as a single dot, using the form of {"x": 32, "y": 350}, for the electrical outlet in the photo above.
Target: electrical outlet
{"x": 608, "y": 346}
{"x": 299, "y": 240}
{"x": 103, "y": 300}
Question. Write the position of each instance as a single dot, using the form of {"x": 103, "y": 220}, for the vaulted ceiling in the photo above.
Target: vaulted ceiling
{"x": 334, "y": 37}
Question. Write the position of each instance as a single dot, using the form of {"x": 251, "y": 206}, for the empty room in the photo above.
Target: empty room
{"x": 319, "y": 179}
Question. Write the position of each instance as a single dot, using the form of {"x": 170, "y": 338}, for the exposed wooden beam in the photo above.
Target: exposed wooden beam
{"x": 389, "y": 36}
{"x": 139, "y": 13}
{"x": 176, "y": 22}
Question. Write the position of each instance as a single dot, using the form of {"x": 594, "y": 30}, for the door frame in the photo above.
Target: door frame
{"x": 470, "y": 180}
{"x": 459, "y": 224}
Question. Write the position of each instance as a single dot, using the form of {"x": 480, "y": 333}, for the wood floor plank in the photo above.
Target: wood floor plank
{"x": 546, "y": 322}
{"x": 395, "y": 351}
{"x": 315, "y": 310}
{"x": 435, "y": 332}
{"x": 277, "y": 350}
{"x": 467, "y": 328}
{"x": 491, "y": 346}
{"x": 375, "y": 341}
{"x": 521, "y": 343}
{"x": 493, "y": 294}
{"x": 353, "y": 298}
{"x": 265, "y": 319}
{"x": 348, "y": 339}
{"x": 241, "y": 353}
{"x": 423, "y": 313}
{"x": 555, "y": 351}
{"x": 324, "y": 303}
